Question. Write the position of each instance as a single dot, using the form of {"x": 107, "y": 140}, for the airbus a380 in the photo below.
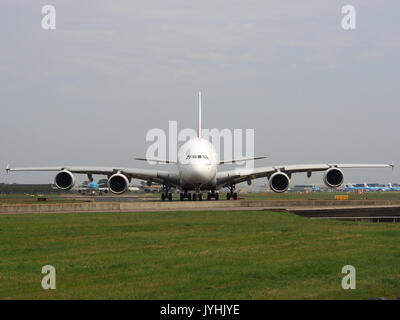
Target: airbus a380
{"x": 198, "y": 171}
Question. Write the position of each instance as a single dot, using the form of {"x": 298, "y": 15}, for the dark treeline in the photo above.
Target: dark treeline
{"x": 27, "y": 188}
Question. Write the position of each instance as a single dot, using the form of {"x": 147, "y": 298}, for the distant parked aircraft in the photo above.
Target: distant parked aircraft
{"x": 376, "y": 187}
{"x": 365, "y": 187}
{"x": 92, "y": 188}
{"x": 393, "y": 188}
{"x": 356, "y": 187}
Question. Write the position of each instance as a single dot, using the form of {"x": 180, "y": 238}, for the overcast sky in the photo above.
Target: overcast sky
{"x": 88, "y": 92}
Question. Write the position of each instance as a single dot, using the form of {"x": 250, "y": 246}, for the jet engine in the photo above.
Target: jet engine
{"x": 118, "y": 183}
{"x": 333, "y": 177}
{"x": 64, "y": 180}
{"x": 279, "y": 182}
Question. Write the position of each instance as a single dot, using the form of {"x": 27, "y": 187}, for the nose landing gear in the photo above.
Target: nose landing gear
{"x": 197, "y": 196}
{"x": 186, "y": 195}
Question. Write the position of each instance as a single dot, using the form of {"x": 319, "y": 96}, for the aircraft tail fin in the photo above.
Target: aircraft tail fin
{"x": 199, "y": 124}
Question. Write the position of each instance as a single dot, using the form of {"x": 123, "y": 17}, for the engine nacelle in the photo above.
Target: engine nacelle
{"x": 64, "y": 180}
{"x": 279, "y": 182}
{"x": 333, "y": 177}
{"x": 118, "y": 183}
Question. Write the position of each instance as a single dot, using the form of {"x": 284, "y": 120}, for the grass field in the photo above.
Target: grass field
{"x": 196, "y": 255}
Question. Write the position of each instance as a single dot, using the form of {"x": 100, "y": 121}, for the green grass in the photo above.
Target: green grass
{"x": 196, "y": 255}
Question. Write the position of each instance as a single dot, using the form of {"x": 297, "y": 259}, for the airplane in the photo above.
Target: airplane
{"x": 350, "y": 187}
{"x": 316, "y": 189}
{"x": 92, "y": 187}
{"x": 198, "y": 171}
{"x": 393, "y": 188}
{"x": 376, "y": 187}
{"x": 365, "y": 187}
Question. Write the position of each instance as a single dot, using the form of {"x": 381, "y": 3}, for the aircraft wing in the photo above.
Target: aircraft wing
{"x": 155, "y": 160}
{"x": 241, "y": 160}
{"x": 225, "y": 178}
{"x": 162, "y": 177}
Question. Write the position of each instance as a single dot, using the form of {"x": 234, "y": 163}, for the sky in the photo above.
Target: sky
{"x": 88, "y": 92}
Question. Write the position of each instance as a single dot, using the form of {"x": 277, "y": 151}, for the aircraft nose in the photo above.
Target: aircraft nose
{"x": 197, "y": 170}
{"x": 200, "y": 173}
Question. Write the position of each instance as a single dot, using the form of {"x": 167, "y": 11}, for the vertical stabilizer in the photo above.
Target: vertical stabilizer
{"x": 199, "y": 127}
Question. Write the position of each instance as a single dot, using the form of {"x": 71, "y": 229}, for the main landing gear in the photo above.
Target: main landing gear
{"x": 213, "y": 194}
{"x": 166, "y": 194}
{"x": 231, "y": 193}
{"x": 198, "y": 195}
{"x": 187, "y": 195}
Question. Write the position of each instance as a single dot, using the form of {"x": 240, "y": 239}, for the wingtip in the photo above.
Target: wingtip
{"x": 7, "y": 168}
{"x": 392, "y": 165}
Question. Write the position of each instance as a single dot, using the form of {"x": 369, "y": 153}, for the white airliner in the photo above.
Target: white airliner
{"x": 198, "y": 171}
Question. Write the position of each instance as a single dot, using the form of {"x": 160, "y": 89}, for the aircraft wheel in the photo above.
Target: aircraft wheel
{"x": 182, "y": 196}
{"x": 162, "y": 196}
{"x": 189, "y": 196}
{"x": 194, "y": 197}
{"x": 235, "y": 196}
{"x": 216, "y": 196}
{"x": 228, "y": 196}
{"x": 200, "y": 197}
{"x": 170, "y": 196}
{"x": 208, "y": 195}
